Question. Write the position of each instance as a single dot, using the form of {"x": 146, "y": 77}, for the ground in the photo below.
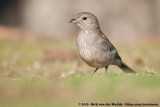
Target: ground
{"x": 48, "y": 73}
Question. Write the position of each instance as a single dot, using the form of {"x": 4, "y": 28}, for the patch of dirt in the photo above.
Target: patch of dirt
{"x": 138, "y": 61}
{"x": 60, "y": 54}
{"x": 14, "y": 33}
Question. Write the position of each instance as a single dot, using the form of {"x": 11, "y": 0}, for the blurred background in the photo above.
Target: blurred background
{"x": 40, "y": 66}
{"x": 50, "y": 17}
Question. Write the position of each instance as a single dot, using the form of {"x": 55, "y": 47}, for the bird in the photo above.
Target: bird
{"x": 94, "y": 47}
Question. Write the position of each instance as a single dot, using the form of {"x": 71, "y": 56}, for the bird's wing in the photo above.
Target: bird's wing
{"x": 109, "y": 45}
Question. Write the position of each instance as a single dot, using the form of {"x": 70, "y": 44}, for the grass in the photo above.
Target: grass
{"x": 29, "y": 79}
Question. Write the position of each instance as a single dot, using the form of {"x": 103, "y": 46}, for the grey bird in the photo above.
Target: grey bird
{"x": 93, "y": 46}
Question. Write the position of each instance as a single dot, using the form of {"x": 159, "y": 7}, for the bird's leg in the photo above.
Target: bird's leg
{"x": 95, "y": 70}
{"x": 106, "y": 67}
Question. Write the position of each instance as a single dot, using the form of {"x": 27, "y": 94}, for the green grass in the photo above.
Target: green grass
{"x": 27, "y": 79}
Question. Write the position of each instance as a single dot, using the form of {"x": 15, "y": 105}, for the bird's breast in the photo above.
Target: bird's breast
{"x": 85, "y": 49}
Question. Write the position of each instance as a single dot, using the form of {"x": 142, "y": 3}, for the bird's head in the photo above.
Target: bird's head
{"x": 85, "y": 20}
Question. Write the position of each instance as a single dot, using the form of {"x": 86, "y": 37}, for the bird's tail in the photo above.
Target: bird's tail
{"x": 125, "y": 68}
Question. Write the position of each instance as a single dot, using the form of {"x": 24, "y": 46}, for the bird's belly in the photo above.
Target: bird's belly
{"x": 93, "y": 57}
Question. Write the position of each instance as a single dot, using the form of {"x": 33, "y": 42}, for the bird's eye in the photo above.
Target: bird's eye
{"x": 84, "y": 18}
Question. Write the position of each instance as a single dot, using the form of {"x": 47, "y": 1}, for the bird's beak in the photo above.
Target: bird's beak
{"x": 73, "y": 21}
